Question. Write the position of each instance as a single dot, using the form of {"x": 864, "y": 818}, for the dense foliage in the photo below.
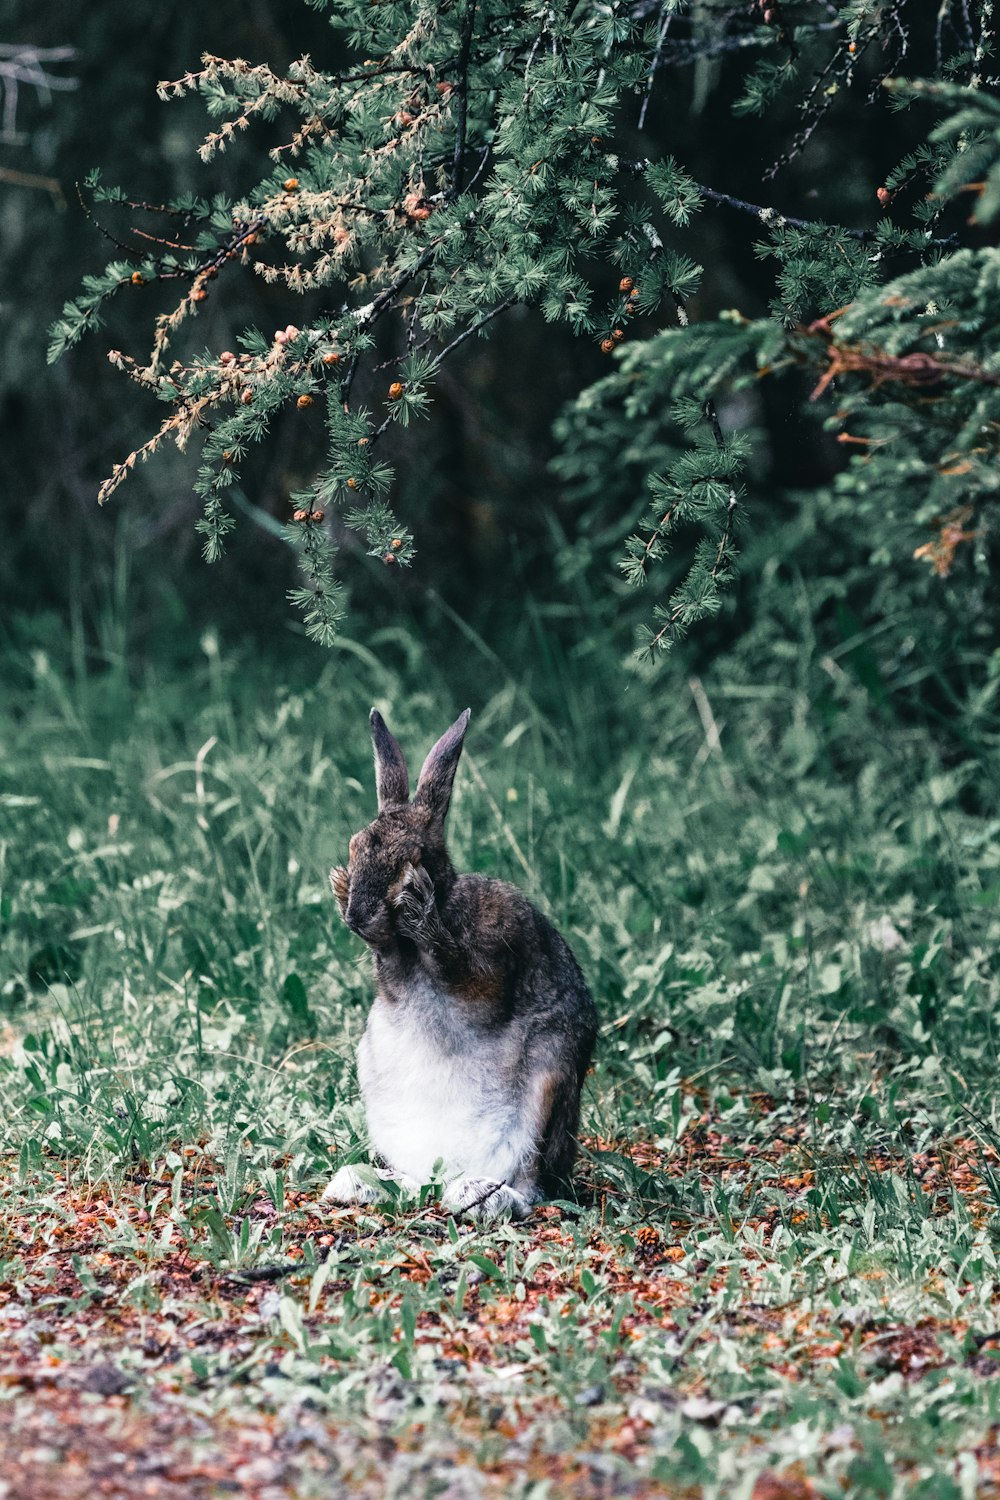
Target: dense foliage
{"x": 462, "y": 160}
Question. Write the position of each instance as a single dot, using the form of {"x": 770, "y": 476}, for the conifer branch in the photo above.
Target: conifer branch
{"x": 460, "y": 164}
{"x": 916, "y": 369}
{"x": 772, "y": 218}
{"x": 443, "y": 354}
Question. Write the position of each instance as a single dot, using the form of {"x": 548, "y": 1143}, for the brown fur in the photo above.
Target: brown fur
{"x": 472, "y": 961}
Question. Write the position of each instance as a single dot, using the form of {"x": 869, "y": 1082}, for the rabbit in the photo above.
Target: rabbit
{"x": 482, "y": 1028}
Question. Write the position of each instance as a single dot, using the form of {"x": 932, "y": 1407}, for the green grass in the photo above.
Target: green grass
{"x": 783, "y": 1257}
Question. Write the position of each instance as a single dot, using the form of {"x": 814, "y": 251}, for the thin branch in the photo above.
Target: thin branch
{"x": 915, "y": 370}
{"x": 228, "y": 249}
{"x": 712, "y": 418}
{"x": 462, "y": 88}
{"x": 772, "y": 218}
{"x": 93, "y": 219}
{"x": 775, "y": 220}
{"x": 668, "y": 624}
{"x": 660, "y": 39}
{"x": 487, "y": 152}
{"x": 466, "y": 333}
{"x": 375, "y": 308}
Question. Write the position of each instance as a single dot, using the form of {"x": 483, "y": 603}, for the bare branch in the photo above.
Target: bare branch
{"x": 23, "y": 64}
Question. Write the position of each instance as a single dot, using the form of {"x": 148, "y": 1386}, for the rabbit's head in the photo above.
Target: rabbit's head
{"x": 405, "y": 833}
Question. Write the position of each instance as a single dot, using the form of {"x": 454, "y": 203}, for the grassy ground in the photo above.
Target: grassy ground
{"x": 780, "y": 1277}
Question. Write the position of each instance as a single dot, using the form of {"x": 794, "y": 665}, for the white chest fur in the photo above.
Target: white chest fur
{"x": 437, "y": 1090}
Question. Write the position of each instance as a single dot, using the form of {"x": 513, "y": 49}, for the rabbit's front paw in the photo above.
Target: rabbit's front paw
{"x": 346, "y": 1186}
{"x": 485, "y": 1200}
{"x": 341, "y": 882}
{"x": 413, "y": 901}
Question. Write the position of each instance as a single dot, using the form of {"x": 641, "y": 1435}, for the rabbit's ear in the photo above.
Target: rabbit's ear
{"x": 391, "y": 779}
{"x": 438, "y": 772}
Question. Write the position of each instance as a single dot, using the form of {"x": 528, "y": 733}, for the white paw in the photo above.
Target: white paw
{"x": 347, "y": 1186}
{"x": 485, "y": 1200}
{"x": 410, "y": 1185}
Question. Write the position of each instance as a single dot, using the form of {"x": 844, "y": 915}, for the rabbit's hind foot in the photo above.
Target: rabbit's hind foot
{"x": 347, "y": 1186}
{"x": 485, "y": 1199}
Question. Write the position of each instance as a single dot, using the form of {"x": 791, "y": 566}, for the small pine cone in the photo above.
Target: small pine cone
{"x": 318, "y": 516}
{"x": 352, "y": 484}
{"x": 396, "y": 543}
{"x": 626, "y": 284}
{"x": 138, "y": 279}
{"x": 389, "y": 558}
{"x": 884, "y": 196}
{"x": 333, "y": 358}
{"x": 607, "y": 345}
{"x": 617, "y": 334}
{"x": 247, "y": 396}
{"x": 647, "y": 1237}
{"x": 301, "y": 515}
{"x": 415, "y": 206}
{"x": 395, "y": 390}
{"x": 227, "y": 357}
{"x": 291, "y": 183}
{"x": 199, "y": 296}
{"x": 304, "y": 401}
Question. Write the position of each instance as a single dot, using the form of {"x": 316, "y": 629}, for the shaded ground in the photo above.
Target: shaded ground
{"x": 409, "y": 1353}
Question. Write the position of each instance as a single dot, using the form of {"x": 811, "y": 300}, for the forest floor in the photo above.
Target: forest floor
{"x": 778, "y": 1280}
{"x": 584, "y": 1351}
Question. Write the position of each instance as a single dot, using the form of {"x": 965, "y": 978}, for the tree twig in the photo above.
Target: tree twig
{"x": 462, "y": 89}
{"x": 466, "y": 333}
{"x": 773, "y": 219}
